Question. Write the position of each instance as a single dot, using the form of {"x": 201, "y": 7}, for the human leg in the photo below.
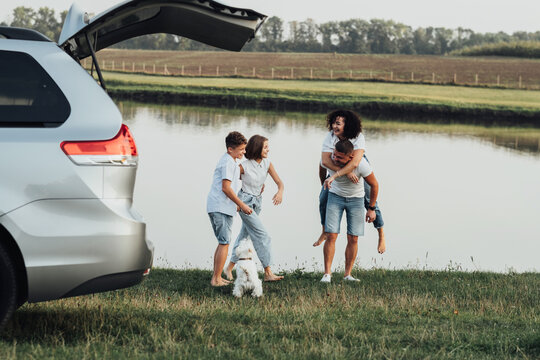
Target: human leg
{"x": 323, "y": 199}
{"x": 334, "y": 212}
{"x": 221, "y": 224}
{"x": 378, "y": 223}
{"x": 350, "y": 253}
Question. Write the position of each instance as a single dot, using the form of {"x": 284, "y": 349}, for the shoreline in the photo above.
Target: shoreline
{"x": 373, "y": 108}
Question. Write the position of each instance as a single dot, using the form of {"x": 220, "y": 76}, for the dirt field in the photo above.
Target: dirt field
{"x": 504, "y": 72}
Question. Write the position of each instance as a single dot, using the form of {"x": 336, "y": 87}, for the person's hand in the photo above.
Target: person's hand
{"x": 328, "y": 182}
{"x": 354, "y": 179}
{"x": 262, "y": 189}
{"x": 277, "y": 198}
{"x": 370, "y": 216}
{"x": 246, "y": 209}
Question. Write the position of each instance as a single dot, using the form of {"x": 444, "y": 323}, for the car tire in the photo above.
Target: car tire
{"x": 8, "y": 287}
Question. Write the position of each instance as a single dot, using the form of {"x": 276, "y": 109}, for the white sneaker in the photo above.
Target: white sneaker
{"x": 327, "y": 278}
{"x": 349, "y": 278}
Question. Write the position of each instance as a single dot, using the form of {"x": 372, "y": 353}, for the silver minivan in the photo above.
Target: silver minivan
{"x": 67, "y": 163}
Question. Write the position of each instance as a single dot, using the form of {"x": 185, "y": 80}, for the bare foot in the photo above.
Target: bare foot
{"x": 228, "y": 271}
{"x": 381, "y": 248}
{"x": 321, "y": 239}
{"x": 272, "y": 277}
{"x": 219, "y": 282}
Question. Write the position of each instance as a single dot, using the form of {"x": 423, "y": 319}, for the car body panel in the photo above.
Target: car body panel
{"x": 76, "y": 240}
{"x": 206, "y": 21}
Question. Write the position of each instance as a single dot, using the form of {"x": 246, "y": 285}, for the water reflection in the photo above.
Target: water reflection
{"x": 453, "y": 196}
{"x": 526, "y": 140}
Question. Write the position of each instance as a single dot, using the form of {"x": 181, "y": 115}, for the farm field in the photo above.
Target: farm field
{"x": 480, "y": 71}
{"x": 176, "y": 314}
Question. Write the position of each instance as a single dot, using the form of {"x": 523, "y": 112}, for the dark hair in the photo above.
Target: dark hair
{"x": 254, "y": 147}
{"x": 234, "y": 139}
{"x": 353, "y": 123}
{"x": 345, "y": 146}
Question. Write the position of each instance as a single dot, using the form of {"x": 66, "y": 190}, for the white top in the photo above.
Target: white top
{"x": 226, "y": 169}
{"x": 329, "y": 142}
{"x": 254, "y": 176}
{"x": 342, "y": 186}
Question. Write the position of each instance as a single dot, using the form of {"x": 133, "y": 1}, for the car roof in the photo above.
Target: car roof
{"x": 14, "y": 33}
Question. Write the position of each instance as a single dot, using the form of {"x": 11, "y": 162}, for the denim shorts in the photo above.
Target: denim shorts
{"x": 222, "y": 225}
{"x": 354, "y": 209}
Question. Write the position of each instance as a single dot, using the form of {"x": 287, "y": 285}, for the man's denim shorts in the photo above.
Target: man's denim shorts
{"x": 354, "y": 209}
{"x": 222, "y": 225}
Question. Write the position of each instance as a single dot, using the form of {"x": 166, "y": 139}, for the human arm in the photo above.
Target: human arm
{"x": 372, "y": 181}
{"x": 279, "y": 195}
{"x": 229, "y": 192}
{"x": 346, "y": 170}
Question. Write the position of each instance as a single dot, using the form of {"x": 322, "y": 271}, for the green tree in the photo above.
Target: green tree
{"x": 23, "y": 17}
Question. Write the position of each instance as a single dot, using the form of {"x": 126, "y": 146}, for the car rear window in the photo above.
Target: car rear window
{"x": 28, "y": 95}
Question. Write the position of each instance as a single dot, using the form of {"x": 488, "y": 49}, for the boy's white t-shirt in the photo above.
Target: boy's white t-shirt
{"x": 226, "y": 169}
{"x": 329, "y": 142}
{"x": 254, "y": 175}
{"x": 344, "y": 187}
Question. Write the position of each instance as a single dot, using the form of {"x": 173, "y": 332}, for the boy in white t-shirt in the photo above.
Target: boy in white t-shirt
{"x": 222, "y": 201}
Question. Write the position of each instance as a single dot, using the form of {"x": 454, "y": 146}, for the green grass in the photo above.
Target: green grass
{"x": 388, "y": 315}
{"x": 347, "y": 91}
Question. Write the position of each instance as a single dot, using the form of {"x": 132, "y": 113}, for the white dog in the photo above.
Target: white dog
{"x": 246, "y": 272}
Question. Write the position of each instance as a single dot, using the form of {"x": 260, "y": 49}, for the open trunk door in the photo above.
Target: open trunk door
{"x": 206, "y": 21}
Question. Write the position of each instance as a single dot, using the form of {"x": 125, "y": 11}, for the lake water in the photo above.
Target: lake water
{"x": 453, "y": 197}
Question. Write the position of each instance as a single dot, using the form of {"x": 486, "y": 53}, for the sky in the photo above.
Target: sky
{"x": 478, "y": 15}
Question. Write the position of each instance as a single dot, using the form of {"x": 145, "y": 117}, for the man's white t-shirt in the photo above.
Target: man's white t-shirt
{"x": 226, "y": 169}
{"x": 329, "y": 142}
{"x": 344, "y": 187}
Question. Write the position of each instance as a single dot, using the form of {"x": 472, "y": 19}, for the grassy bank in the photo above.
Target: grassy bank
{"x": 389, "y": 314}
{"x": 513, "y": 107}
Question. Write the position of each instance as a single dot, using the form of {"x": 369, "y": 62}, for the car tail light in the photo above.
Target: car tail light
{"x": 120, "y": 150}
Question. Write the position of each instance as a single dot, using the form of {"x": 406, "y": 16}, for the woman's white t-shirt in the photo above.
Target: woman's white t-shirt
{"x": 254, "y": 176}
{"x": 329, "y": 142}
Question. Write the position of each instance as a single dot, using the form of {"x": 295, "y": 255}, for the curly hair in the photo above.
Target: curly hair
{"x": 353, "y": 123}
{"x": 254, "y": 147}
{"x": 234, "y": 139}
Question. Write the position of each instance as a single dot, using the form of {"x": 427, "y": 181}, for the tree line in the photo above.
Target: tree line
{"x": 359, "y": 36}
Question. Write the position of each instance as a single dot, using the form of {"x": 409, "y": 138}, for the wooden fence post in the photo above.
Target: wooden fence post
{"x": 433, "y": 78}
{"x": 133, "y": 67}
{"x": 154, "y": 69}
{"x": 143, "y": 67}
{"x": 292, "y": 73}
{"x": 350, "y": 74}
{"x": 182, "y": 71}
{"x": 165, "y": 70}
{"x": 455, "y": 78}
{"x": 412, "y": 76}
{"x": 123, "y": 66}
{"x": 217, "y": 70}
{"x": 475, "y": 79}
{"x": 112, "y": 66}
{"x": 253, "y": 71}
{"x": 200, "y": 70}
{"x": 498, "y": 80}
{"x": 272, "y": 73}
{"x": 311, "y": 73}
{"x": 519, "y": 83}
{"x": 331, "y": 74}
{"x": 236, "y": 71}
{"x": 391, "y": 76}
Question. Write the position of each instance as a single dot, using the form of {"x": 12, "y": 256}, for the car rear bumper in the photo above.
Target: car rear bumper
{"x": 79, "y": 246}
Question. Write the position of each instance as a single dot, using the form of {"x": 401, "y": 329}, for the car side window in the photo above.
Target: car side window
{"x": 28, "y": 95}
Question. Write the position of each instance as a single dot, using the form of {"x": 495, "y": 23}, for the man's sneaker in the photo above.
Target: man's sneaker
{"x": 349, "y": 278}
{"x": 327, "y": 278}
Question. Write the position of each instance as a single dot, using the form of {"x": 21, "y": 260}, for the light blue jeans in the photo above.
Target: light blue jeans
{"x": 253, "y": 227}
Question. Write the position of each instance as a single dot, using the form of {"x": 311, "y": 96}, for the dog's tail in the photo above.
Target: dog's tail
{"x": 246, "y": 272}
